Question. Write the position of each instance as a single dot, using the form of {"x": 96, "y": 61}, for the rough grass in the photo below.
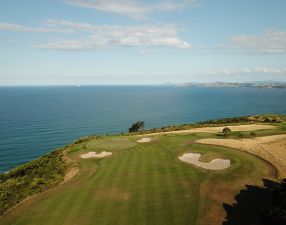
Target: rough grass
{"x": 31, "y": 178}
{"x": 274, "y": 119}
{"x": 143, "y": 184}
{"x": 281, "y": 129}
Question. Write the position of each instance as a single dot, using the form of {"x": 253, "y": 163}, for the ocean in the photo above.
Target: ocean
{"x": 36, "y": 120}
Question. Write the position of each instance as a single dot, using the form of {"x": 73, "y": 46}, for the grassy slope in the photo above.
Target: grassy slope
{"x": 142, "y": 184}
{"x": 31, "y": 178}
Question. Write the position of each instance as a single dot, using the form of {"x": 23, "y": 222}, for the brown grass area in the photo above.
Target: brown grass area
{"x": 249, "y": 127}
{"x": 271, "y": 148}
{"x": 222, "y": 193}
{"x": 72, "y": 169}
{"x": 70, "y": 174}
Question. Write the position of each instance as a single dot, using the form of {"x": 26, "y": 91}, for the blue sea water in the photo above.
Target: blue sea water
{"x": 35, "y": 120}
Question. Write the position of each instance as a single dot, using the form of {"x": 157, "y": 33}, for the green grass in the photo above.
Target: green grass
{"x": 141, "y": 184}
{"x": 31, "y": 178}
{"x": 111, "y": 143}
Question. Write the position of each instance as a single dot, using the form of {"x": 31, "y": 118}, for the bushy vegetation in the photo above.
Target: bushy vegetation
{"x": 85, "y": 139}
{"x": 31, "y": 178}
{"x": 226, "y": 131}
{"x": 252, "y": 134}
{"x": 241, "y": 136}
{"x": 269, "y": 118}
{"x": 136, "y": 126}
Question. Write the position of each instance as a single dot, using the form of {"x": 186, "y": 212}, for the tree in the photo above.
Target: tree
{"x": 226, "y": 131}
{"x": 136, "y": 126}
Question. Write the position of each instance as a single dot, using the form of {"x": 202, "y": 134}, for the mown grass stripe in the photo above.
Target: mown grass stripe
{"x": 105, "y": 207}
{"x": 117, "y": 204}
{"x": 84, "y": 190}
{"x": 164, "y": 194}
{"x": 133, "y": 207}
{"x": 140, "y": 187}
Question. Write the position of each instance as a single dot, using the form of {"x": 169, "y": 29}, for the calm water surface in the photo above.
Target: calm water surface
{"x": 35, "y": 120}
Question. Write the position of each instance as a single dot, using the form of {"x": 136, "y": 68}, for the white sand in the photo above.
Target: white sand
{"x": 95, "y": 155}
{"x": 144, "y": 140}
{"x": 215, "y": 164}
{"x": 248, "y": 127}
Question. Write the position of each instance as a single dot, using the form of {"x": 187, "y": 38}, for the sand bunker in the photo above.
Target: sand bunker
{"x": 271, "y": 148}
{"x": 144, "y": 140}
{"x": 95, "y": 155}
{"x": 215, "y": 164}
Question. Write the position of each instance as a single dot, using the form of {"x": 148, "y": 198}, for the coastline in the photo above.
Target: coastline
{"x": 244, "y": 123}
{"x": 72, "y": 167}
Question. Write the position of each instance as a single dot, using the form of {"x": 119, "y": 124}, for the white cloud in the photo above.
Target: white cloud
{"x": 19, "y": 28}
{"x": 112, "y": 36}
{"x": 103, "y": 36}
{"x": 252, "y": 70}
{"x": 269, "y": 42}
{"x": 133, "y": 8}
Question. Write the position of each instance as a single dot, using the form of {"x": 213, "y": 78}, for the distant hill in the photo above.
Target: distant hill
{"x": 256, "y": 84}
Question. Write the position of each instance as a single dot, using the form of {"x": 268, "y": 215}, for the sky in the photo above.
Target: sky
{"x": 125, "y": 42}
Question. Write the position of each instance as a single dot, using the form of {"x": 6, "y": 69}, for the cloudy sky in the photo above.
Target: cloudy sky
{"x": 60, "y": 42}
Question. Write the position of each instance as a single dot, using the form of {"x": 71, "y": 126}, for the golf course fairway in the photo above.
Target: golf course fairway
{"x": 143, "y": 184}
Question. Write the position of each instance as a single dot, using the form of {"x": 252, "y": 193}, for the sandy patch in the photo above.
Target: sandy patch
{"x": 249, "y": 127}
{"x": 70, "y": 174}
{"x": 95, "y": 155}
{"x": 215, "y": 164}
{"x": 271, "y": 148}
{"x": 73, "y": 171}
{"x": 144, "y": 140}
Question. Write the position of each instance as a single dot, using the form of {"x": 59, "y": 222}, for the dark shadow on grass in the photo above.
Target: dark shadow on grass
{"x": 258, "y": 205}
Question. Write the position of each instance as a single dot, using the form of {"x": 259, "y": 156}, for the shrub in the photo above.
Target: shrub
{"x": 240, "y": 135}
{"x": 30, "y": 178}
{"x": 252, "y": 134}
{"x": 136, "y": 126}
{"x": 226, "y": 131}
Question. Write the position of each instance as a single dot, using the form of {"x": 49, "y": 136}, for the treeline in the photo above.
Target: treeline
{"x": 248, "y": 119}
{"x": 31, "y": 178}
{"x": 219, "y": 122}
